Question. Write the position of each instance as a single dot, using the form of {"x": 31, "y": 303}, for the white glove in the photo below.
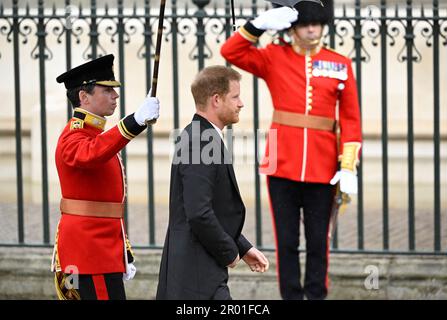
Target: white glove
{"x": 130, "y": 272}
{"x": 276, "y": 19}
{"x": 348, "y": 181}
{"x": 148, "y": 110}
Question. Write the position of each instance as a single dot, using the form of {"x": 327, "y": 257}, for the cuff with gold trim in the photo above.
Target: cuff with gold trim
{"x": 129, "y": 128}
{"x": 250, "y": 32}
{"x": 350, "y": 157}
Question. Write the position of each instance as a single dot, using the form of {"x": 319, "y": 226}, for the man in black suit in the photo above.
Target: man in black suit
{"x": 206, "y": 212}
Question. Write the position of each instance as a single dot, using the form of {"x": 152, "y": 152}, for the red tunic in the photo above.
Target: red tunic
{"x": 89, "y": 168}
{"x": 306, "y": 84}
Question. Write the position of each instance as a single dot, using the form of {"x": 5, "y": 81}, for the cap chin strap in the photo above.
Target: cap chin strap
{"x": 308, "y": 44}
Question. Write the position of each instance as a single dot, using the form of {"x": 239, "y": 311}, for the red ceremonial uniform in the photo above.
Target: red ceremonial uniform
{"x": 90, "y": 168}
{"x": 308, "y": 83}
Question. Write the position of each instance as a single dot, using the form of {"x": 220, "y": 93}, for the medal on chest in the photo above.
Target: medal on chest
{"x": 330, "y": 69}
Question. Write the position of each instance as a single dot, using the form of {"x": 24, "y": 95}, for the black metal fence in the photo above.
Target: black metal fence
{"x": 358, "y": 26}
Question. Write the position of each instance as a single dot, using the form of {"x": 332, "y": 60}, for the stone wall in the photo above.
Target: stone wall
{"x": 25, "y": 274}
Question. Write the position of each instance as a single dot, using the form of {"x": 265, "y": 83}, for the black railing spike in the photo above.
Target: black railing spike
{"x": 80, "y": 9}
{"x": 41, "y": 4}
{"x": 27, "y": 9}
{"x": 54, "y": 8}
{"x": 422, "y": 11}
{"x": 1, "y": 8}
{"x": 344, "y": 9}
{"x": 396, "y": 12}
{"x": 409, "y": 6}
{"x": 134, "y": 8}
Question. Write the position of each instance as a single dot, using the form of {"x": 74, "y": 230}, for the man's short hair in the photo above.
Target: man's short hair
{"x": 73, "y": 94}
{"x": 210, "y": 81}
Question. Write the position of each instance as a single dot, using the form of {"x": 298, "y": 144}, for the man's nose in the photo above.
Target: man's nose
{"x": 311, "y": 26}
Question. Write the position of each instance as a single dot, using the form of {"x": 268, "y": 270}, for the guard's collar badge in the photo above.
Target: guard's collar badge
{"x": 89, "y": 118}
{"x": 76, "y": 124}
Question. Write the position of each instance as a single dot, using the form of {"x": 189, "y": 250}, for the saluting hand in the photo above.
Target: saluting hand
{"x": 276, "y": 19}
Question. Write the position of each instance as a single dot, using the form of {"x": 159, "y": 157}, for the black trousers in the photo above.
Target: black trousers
{"x": 287, "y": 199}
{"x": 109, "y": 286}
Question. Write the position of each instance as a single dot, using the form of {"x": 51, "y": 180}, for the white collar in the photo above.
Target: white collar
{"x": 218, "y": 130}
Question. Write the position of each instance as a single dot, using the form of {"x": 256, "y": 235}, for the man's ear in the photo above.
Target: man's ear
{"x": 83, "y": 97}
{"x": 215, "y": 99}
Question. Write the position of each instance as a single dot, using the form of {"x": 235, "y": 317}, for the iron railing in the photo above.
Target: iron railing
{"x": 382, "y": 26}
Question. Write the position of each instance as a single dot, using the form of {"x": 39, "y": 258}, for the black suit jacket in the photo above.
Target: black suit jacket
{"x": 206, "y": 215}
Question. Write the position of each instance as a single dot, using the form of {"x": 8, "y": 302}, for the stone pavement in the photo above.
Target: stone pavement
{"x": 401, "y": 276}
{"x": 25, "y": 274}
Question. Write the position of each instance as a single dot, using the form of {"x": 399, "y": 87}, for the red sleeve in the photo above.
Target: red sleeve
{"x": 86, "y": 149}
{"x": 243, "y": 54}
{"x": 80, "y": 149}
{"x": 350, "y": 122}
